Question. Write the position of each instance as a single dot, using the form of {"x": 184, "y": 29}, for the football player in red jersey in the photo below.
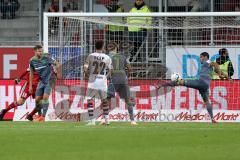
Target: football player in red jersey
{"x": 24, "y": 94}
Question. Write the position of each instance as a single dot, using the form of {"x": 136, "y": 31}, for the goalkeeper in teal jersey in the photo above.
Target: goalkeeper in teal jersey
{"x": 44, "y": 66}
{"x": 119, "y": 81}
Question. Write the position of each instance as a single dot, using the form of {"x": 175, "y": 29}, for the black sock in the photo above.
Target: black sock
{"x": 90, "y": 109}
{"x": 105, "y": 109}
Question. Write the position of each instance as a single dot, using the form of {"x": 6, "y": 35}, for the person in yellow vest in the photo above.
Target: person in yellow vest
{"x": 137, "y": 34}
{"x": 224, "y": 63}
{"x": 115, "y": 32}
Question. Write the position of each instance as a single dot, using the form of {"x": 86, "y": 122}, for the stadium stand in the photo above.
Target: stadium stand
{"x": 22, "y": 30}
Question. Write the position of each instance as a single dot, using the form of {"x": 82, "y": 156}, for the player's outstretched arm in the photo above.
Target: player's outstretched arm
{"x": 31, "y": 81}
{"x": 23, "y": 74}
{"x": 110, "y": 68}
{"x": 85, "y": 71}
{"x": 109, "y": 73}
{"x": 129, "y": 70}
{"x": 58, "y": 69}
{"x": 17, "y": 80}
{"x": 31, "y": 76}
{"x": 86, "y": 68}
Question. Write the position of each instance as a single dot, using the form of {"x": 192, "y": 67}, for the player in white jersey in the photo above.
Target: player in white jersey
{"x": 97, "y": 68}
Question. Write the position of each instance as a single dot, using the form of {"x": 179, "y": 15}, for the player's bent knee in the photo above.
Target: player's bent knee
{"x": 90, "y": 101}
{"x": 105, "y": 103}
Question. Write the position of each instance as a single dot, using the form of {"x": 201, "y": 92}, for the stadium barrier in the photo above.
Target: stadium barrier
{"x": 178, "y": 104}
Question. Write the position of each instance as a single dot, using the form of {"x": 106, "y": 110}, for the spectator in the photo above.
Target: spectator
{"x": 9, "y": 6}
{"x": 224, "y": 63}
{"x": 137, "y": 35}
{"x": 54, "y": 21}
{"x": 200, "y": 5}
{"x": 115, "y": 33}
{"x": 54, "y": 7}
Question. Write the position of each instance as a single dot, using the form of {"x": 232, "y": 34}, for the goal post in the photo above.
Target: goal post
{"x": 170, "y": 42}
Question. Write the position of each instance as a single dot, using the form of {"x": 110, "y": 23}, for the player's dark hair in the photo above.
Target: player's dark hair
{"x": 99, "y": 44}
{"x": 223, "y": 51}
{"x": 205, "y": 54}
{"x": 37, "y": 47}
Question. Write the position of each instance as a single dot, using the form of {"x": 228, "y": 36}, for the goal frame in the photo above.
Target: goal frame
{"x": 155, "y": 14}
{"x": 159, "y": 14}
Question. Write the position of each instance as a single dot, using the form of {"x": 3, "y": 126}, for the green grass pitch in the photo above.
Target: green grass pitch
{"x": 119, "y": 141}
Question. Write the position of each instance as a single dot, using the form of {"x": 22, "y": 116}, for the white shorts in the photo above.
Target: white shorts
{"x": 97, "y": 89}
{"x": 96, "y": 93}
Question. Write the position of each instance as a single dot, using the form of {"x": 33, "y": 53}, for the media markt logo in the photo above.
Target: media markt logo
{"x": 223, "y": 116}
{"x": 190, "y": 116}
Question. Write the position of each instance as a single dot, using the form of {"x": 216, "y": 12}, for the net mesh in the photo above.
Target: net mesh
{"x": 168, "y": 22}
{"x": 163, "y": 46}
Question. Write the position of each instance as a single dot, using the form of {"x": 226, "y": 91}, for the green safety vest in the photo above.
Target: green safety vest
{"x": 139, "y": 20}
{"x": 223, "y": 67}
{"x": 114, "y": 28}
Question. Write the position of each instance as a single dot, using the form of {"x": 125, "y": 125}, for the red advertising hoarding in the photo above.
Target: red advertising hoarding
{"x": 224, "y": 95}
{"x": 14, "y": 61}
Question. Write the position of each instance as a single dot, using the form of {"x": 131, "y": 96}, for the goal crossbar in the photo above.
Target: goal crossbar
{"x": 101, "y": 18}
{"x": 155, "y": 14}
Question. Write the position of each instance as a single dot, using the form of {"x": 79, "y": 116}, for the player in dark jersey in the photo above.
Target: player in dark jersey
{"x": 202, "y": 84}
{"x": 24, "y": 93}
{"x": 119, "y": 81}
{"x": 43, "y": 64}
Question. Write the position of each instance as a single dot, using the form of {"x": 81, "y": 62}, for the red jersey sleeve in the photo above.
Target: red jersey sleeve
{"x": 24, "y": 75}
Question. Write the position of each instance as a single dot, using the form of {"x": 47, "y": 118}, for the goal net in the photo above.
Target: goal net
{"x": 156, "y": 44}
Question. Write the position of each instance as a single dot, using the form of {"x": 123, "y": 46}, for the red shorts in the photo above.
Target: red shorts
{"x": 24, "y": 92}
